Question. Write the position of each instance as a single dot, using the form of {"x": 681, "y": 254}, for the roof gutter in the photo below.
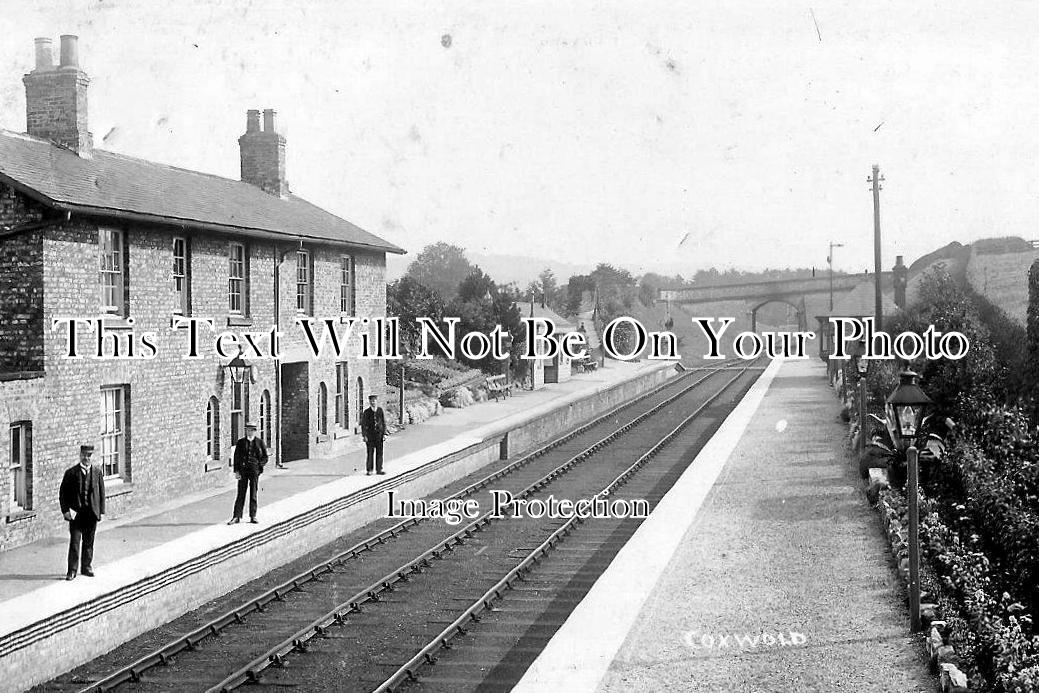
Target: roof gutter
{"x": 209, "y": 226}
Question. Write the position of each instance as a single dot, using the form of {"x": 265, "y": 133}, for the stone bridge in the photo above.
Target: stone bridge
{"x": 808, "y": 296}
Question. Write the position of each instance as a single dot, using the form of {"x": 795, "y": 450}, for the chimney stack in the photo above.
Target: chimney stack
{"x": 56, "y": 99}
{"x": 900, "y": 280}
{"x": 263, "y": 153}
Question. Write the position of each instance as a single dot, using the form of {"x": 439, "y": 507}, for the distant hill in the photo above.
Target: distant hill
{"x": 503, "y": 269}
{"x": 522, "y": 270}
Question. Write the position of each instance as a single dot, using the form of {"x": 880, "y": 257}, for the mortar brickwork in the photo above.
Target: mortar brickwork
{"x": 167, "y": 394}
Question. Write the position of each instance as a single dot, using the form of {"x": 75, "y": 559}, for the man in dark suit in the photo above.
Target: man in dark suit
{"x": 82, "y": 500}
{"x": 250, "y": 455}
{"x": 373, "y": 430}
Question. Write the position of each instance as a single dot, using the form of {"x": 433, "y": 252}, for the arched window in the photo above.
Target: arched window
{"x": 322, "y": 409}
{"x": 213, "y": 429}
{"x": 360, "y": 398}
{"x": 265, "y": 417}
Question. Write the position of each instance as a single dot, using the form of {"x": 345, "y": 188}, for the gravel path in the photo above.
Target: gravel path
{"x": 784, "y": 582}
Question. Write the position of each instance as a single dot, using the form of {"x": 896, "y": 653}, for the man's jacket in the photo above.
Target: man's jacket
{"x": 373, "y": 424}
{"x": 250, "y": 456}
{"x": 93, "y": 488}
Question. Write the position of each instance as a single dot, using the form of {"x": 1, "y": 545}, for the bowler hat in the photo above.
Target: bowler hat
{"x": 89, "y": 449}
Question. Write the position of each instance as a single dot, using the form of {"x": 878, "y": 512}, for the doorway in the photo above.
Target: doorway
{"x": 295, "y": 411}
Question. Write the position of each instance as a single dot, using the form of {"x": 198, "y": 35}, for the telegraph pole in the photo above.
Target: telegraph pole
{"x": 829, "y": 259}
{"x": 878, "y": 310}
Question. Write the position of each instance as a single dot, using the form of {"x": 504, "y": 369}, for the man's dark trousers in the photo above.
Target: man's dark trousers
{"x": 373, "y": 428}
{"x": 374, "y": 450}
{"x": 83, "y": 495}
{"x": 249, "y": 458}
{"x": 246, "y": 481}
{"x": 81, "y": 530}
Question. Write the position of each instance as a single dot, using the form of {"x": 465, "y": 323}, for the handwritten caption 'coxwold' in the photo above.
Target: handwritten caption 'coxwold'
{"x": 623, "y": 339}
{"x": 742, "y": 641}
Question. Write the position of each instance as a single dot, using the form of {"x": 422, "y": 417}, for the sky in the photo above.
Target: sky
{"x": 657, "y": 136}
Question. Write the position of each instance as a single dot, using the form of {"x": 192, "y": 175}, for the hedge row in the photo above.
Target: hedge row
{"x": 990, "y": 630}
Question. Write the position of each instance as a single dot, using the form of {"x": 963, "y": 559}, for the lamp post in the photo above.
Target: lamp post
{"x": 400, "y": 403}
{"x": 829, "y": 260}
{"x": 861, "y": 367}
{"x": 905, "y": 413}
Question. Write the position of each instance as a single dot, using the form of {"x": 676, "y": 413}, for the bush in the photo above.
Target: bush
{"x": 991, "y": 631}
{"x": 981, "y": 530}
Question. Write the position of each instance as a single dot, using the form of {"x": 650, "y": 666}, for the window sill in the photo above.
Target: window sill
{"x": 116, "y": 322}
{"x": 239, "y": 321}
{"x": 117, "y": 487}
{"x": 322, "y": 437}
{"x": 341, "y": 433}
{"x": 213, "y": 466}
{"x": 20, "y": 375}
{"x": 175, "y": 322}
{"x": 19, "y": 516}
{"x": 345, "y": 318}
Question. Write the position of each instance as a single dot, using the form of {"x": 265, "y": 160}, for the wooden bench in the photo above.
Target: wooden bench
{"x": 586, "y": 364}
{"x": 497, "y": 388}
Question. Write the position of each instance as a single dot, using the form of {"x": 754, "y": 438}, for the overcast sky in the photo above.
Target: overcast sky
{"x": 586, "y": 131}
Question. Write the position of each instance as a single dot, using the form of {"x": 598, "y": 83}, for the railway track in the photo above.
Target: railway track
{"x": 361, "y": 611}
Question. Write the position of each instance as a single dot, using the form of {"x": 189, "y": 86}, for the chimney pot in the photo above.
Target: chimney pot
{"x": 70, "y": 51}
{"x": 268, "y": 119}
{"x": 44, "y": 56}
{"x": 252, "y": 120}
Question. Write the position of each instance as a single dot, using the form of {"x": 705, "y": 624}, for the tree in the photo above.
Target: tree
{"x": 575, "y": 290}
{"x": 407, "y": 300}
{"x": 963, "y": 389}
{"x": 440, "y": 267}
{"x": 476, "y": 286}
{"x": 549, "y": 287}
{"x": 481, "y": 306}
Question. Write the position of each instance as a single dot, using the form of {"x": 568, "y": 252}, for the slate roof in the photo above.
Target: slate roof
{"x": 860, "y": 302}
{"x": 114, "y": 185}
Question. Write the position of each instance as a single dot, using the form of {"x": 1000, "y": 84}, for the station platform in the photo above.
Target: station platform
{"x": 153, "y": 567}
{"x": 763, "y": 569}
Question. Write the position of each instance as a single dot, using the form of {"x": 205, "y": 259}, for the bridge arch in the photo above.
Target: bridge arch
{"x": 802, "y": 322}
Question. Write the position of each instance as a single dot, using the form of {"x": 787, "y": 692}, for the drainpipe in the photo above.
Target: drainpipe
{"x": 277, "y": 362}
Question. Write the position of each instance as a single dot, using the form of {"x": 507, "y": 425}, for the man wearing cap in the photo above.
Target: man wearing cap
{"x": 373, "y": 430}
{"x": 250, "y": 455}
{"x": 82, "y": 500}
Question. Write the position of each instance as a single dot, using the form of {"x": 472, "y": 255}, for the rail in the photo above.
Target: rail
{"x": 276, "y": 656}
{"x": 133, "y": 672}
{"x": 425, "y": 656}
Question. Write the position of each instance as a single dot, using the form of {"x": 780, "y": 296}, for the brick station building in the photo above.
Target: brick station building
{"x": 93, "y": 234}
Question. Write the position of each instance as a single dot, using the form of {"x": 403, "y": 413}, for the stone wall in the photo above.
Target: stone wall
{"x": 1003, "y": 279}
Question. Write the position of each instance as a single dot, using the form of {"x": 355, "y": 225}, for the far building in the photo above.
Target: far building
{"x": 858, "y": 303}
{"x": 139, "y": 246}
{"x": 558, "y": 368}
